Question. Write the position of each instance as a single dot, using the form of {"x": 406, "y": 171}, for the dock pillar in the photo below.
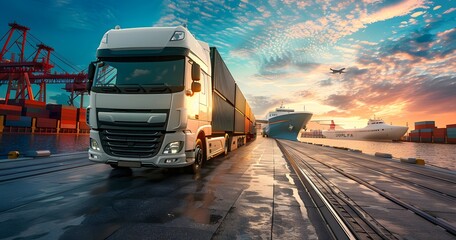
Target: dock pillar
{"x": 2, "y": 123}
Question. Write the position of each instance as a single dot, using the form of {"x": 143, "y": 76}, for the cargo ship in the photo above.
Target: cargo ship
{"x": 285, "y": 123}
{"x": 31, "y": 116}
{"x": 376, "y": 130}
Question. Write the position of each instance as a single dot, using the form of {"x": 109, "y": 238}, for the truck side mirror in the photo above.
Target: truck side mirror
{"x": 90, "y": 75}
{"x": 196, "y": 87}
{"x": 196, "y": 72}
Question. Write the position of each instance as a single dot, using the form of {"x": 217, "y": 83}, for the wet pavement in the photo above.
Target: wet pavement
{"x": 249, "y": 194}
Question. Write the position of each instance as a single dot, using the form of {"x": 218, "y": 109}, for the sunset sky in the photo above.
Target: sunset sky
{"x": 400, "y": 56}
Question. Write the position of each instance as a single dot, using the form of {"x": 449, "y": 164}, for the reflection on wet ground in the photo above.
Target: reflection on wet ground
{"x": 248, "y": 194}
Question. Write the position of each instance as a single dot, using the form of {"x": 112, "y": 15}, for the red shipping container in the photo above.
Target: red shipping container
{"x": 10, "y": 109}
{"x": 81, "y": 114}
{"x": 424, "y": 126}
{"x": 84, "y": 126}
{"x": 426, "y": 135}
{"x": 451, "y": 126}
{"x": 451, "y": 140}
{"x": 440, "y": 132}
{"x": 46, "y": 123}
{"x": 68, "y": 124}
{"x": 13, "y": 117}
{"x": 26, "y": 102}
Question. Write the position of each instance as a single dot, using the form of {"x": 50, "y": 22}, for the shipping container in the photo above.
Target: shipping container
{"x": 240, "y": 100}
{"x": 415, "y": 139}
{"x": 238, "y": 122}
{"x": 222, "y": 80}
{"x": 46, "y": 123}
{"x": 6, "y": 109}
{"x": 84, "y": 126}
{"x": 451, "y": 126}
{"x": 81, "y": 116}
{"x": 439, "y": 140}
{"x": 440, "y": 132}
{"x": 415, "y": 131}
{"x": 222, "y": 115}
{"x": 38, "y": 112}
{"x": 68, "y": 124}
{"x": 26, "y": 102}
{"x": 451, "y": 132}
{"x": 426, "y": 139}
{"x": 21, "y": 121}
{"x": 451, "y": 140}
{"x": 425, "y": 123}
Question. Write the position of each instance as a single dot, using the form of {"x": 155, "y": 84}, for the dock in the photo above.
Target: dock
{"x": 268, "y": 189}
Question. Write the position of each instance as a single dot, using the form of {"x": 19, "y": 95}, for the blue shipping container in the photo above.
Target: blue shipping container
{"x": 426, "y": 140}
{"x": 427, "y": 130}
{"x": 439, "y": 140}
{"x": 22, "y": 122}
{"x": 425, "y": 122}
{"x": 415, "y": 131}
{"x": 451, "y": 132}
{"x": 415, "y": 139}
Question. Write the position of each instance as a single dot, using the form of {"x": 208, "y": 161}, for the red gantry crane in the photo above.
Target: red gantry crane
{"x": 19, "y": 73}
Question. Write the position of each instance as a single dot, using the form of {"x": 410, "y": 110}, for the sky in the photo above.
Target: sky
{"x": 399, "y": 55}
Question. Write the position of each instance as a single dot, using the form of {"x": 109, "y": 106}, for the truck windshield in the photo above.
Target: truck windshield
{"x": 140, "y": 75}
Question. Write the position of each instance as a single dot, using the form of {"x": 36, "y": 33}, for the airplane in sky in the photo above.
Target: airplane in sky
{"x": 338, "y": 71}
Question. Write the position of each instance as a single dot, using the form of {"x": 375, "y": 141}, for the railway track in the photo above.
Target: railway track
{"x": 34, "y": 167}
{"x": 320, "y": 169}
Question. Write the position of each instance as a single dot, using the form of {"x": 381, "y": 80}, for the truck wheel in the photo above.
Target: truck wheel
{"x": 227, "y": 144}
{"x": 199, "y": 157}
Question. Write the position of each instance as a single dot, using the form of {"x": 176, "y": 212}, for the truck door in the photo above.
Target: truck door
{"x": 203, "y": 98}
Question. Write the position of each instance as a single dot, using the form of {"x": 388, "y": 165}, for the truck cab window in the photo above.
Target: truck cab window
{"x": 140, "y": 72}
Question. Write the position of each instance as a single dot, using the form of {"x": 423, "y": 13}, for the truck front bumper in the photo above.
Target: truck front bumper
{"x": 181, "y": 159}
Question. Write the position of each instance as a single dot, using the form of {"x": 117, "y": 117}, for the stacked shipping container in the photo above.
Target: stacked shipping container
{"x": 451, "y": 133}
{"x": 231, "y": 111}
{"x": 29, "y": 116}
{"x": 427, "y": 132}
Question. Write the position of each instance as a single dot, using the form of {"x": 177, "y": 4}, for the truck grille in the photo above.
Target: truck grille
{"x": 131, "y": 144}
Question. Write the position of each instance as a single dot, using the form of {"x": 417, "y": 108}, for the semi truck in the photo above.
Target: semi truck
{"x": 161, "y": 98}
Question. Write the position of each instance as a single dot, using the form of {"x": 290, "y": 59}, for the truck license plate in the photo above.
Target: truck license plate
{"x": 129, "y": 164}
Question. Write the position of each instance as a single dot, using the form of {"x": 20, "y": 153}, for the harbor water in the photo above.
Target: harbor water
{"x": 61, "y": 143}
{"x": 440, "y": 155}
{"x": 435, "y": 154}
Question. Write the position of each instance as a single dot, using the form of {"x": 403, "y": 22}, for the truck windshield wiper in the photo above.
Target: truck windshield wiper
{"x": 110, "y": 89}
{"x": 160, "y": 88}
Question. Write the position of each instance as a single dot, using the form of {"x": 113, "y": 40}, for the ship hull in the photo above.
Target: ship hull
{"x": 287, "y": 126}
{"x": 384, "y": 133}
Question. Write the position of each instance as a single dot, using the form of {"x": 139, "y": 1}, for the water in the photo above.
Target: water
{"x": 62, "y": 143}
{"x": 440, "y": 155}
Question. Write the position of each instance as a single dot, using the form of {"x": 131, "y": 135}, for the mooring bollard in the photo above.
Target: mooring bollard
{"x": 38, "y": 153}
{"x": 383, "y": 155}
{"x": 13, "y": 154}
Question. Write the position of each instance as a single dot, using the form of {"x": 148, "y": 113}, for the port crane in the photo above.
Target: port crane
{"x": 19, "y": 72}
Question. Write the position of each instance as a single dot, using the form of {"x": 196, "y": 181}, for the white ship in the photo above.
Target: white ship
{"x": 375, "y": 130}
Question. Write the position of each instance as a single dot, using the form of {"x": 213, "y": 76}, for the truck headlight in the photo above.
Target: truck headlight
{"x": 173, "y": 147}
{"x": 94, "y": 144}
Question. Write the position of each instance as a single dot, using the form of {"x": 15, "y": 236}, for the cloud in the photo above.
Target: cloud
{"x": 417, "y": 14}
{"x": 326, "y": 82}
{"x": 398, "y": 8}
{"x": 449, "y": 11}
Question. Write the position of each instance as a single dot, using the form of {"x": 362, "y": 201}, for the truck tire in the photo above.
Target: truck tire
{"x": 199, "y": 157}
{"x": 227, "y": 144}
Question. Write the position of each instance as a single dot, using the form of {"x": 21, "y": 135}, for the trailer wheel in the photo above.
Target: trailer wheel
{"x": 227, "y": 144}
{"x": 199, "y": 157}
